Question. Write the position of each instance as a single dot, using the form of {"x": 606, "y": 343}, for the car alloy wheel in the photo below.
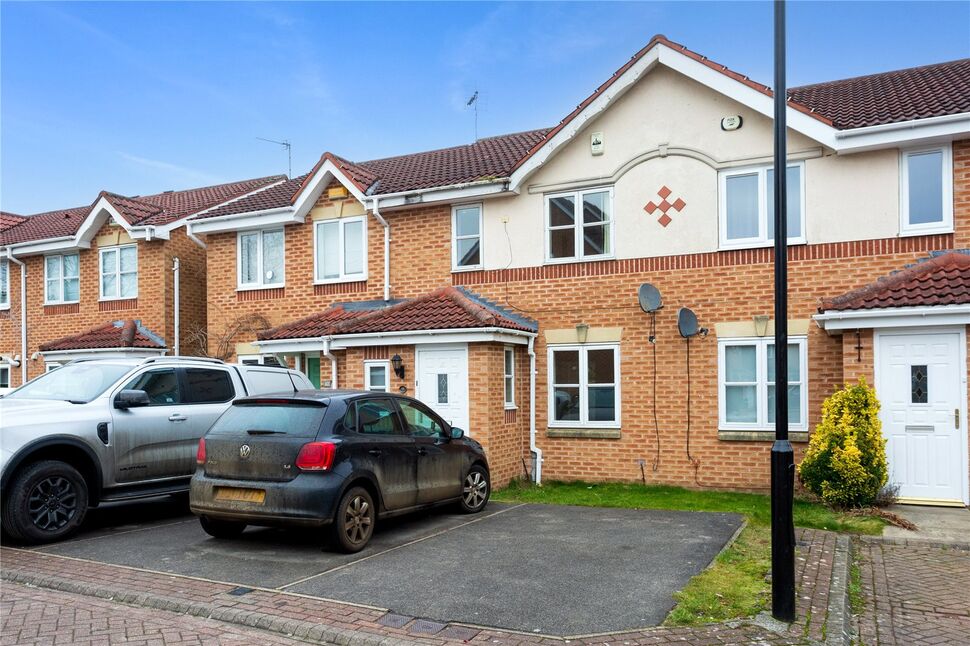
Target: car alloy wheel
{"x": 475, "y": 491}
{"x": 52, "y": 503}
{"x": 358, "y": 520}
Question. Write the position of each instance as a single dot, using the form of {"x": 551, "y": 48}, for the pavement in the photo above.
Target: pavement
{"x": 532, "y": 568}
{"x": 941, "y": 525}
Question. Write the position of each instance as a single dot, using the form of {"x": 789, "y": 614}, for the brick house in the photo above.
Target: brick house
{"x": 99, "y": 279}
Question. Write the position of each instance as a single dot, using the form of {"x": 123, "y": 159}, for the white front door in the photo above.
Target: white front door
{"x": 442, "y": 382}
{"x": 921, "y": 384}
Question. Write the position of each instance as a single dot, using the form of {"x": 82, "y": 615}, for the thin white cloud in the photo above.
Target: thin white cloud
{"x": 172, "y": 172}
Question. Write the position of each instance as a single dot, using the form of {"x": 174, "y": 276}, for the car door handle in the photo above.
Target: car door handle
{"x": 177, "y": 418}
{"x": 375, "y": 452}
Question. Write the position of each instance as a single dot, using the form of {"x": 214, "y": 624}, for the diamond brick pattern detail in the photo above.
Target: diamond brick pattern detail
{"x": 664, "y": 206}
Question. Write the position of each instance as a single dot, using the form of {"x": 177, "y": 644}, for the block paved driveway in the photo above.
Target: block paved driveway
{"x": 913, "y": 594}
{"x": 533, "y": 568}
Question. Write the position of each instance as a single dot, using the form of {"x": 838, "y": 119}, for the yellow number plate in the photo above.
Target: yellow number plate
{"x": 237, "y": 494}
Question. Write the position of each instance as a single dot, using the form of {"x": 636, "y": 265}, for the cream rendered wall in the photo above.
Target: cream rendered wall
{"x": 848, "y": 198}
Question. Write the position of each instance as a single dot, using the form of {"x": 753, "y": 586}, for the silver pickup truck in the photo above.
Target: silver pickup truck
{"x": 112, "y": 429}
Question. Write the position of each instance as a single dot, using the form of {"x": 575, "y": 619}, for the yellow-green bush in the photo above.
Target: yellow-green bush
{"x": 845, "y": 464}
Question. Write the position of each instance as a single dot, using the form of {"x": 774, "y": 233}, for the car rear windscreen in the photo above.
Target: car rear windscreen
{"x": 293, "y": 420}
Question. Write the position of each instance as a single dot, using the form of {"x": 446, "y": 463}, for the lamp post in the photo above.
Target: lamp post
{"x": 782, "y": 457}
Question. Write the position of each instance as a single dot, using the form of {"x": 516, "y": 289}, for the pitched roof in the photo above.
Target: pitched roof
{"x": 446, "y": 308}
{"x": 890, "y": 97}
{"x": 155, "y": 210}
{"x": 941, "y": 280}
{"x": 274, "y": 196}
{"x": 8, "y": 220}
{"x": 115, "y": 334}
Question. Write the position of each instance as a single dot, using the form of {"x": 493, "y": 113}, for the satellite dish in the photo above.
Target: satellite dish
{"x": 649, "y": 297}
{"x": 687, "y": 322}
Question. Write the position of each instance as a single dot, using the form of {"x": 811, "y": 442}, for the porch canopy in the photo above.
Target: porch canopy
{"x": 935, "y": 291}
{"x": 113, "y": 339}
{"x": 446, "y": 315}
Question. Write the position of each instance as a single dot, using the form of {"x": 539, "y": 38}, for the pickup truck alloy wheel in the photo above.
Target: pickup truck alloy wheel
{"x": 475, "y": 490}
{"x": 355, "y": 520}
{"x": 47, "y": 502}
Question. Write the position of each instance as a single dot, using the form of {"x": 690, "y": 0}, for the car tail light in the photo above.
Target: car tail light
{"x": 200, "y": 454}
{"x": 316, "y": 456}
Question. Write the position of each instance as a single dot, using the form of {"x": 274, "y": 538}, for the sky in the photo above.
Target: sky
{"x": 143, "y": 97}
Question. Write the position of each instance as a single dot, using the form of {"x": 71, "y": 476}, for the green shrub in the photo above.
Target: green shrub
{"x": 845, "y": 464}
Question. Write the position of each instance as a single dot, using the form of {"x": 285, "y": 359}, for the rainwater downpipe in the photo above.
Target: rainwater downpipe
{"x": 23, "y": 315}
{"x": 375, "y": 209}
{"x": 191, "y": 236}
{"x": 537, "y": 470}
{"x": 175, "y": 269}
{"x": 333, "y": 362}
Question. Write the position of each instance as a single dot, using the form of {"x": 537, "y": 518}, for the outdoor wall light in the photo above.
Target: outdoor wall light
{"x": 398, "y": 365}
{"x": 582, "y": 332}
{"x": 761, "y": 324}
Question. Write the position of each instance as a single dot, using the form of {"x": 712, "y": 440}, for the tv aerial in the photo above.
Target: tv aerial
{"x": 289, "y": 153}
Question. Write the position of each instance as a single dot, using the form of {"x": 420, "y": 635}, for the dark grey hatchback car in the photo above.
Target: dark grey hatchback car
{"x": 340, "y": 459}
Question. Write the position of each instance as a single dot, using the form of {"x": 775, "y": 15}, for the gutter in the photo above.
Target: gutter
{"x": 23, "y": 315}
{"x": 902, "y": 125}
{"x": 333, "y": 361}
{"x": 375, "y": 209}
{"x": 191, "y": 235}
{"x": 537, "y": 470}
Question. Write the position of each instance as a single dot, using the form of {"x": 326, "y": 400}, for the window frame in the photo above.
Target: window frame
{"x": 61, "y": 278}
{"x": 5, "y": 368}
{"x": 341, "y": 226}
{"x": 455, "y": 237}
{"x": 507, "y": 376}
{"x": 117, "y": 273}
{"x": 5, "y": 278}
{"x": 762, "y": 239}
{"x": 761, "y": 344}
{"x": 578, "y": 226}
{"x": 260, "y": 284}
{"x": 927, "y": 228}
{"x": 583, "y": 421}
{"x": 380, "y": 363}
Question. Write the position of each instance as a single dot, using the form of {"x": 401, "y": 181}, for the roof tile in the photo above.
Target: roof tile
{"x": 115, "y": 334}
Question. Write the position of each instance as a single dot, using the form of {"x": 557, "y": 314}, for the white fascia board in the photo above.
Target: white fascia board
{"x": 328, "y": 170}
{"x": 893, "y": 317}
{"x": 291, "y": 346}
{"x": 408, "y": 337}
{"x": 905, "y": 133}
{"x": 47, "y": 246}
{"x": 460, "y": 193}
{"x": 103, "y": 353}
{"x": 244, "y": 221}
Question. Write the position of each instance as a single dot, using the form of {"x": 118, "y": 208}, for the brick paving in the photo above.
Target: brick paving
{"x": 193, "y": 609}
{"x": 913, "y": 594}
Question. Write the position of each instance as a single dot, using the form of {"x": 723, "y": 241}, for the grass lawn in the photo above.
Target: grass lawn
{"x": 735, "y": 585}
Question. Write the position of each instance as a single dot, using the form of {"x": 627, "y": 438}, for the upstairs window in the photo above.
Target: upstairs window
{"x": 340, "y": 250}
{"x": 466, "y": 237}
{"x": 4, "y": 284}
{"x": 747, "y": 206}
{"x": 62, "y": 279}
{"x": 579, "y": 225}
{"x": 260, "y": 259}
{"x": 926, "y": 191}
{"x": 119, "y": 272}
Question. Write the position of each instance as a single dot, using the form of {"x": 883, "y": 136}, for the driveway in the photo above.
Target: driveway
{"x": 534, "y": 568}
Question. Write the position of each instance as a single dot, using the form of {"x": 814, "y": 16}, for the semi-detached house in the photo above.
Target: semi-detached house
{"x": 498, "y": 281}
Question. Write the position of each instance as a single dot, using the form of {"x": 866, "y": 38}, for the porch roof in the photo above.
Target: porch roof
{"x": 447, "y": 308}
{"x": 112, "y": 335}
{"x": 943, "y": 279}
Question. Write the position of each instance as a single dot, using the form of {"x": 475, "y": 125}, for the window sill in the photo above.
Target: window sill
{"x": 759, "y": 436}
{"x": 118, "y": 298}
{"x": 339, "y": 281}
{"x": 511, "y": 407}
{"x": 568, "y": 261}
{"x": 255, "y": 288}
{"x": 913, "y": 233}
{"x": 587, "y": 433}
{"x": 761, "y": 244}
{"x": 4, "y": 308}
{"x": 459, "y": 270}
{"x": 56, "y": 303}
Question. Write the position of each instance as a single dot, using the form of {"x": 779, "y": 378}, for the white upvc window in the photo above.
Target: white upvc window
{"x": 579, "y": 225}
{"x": 746, "y": 384}
{"x": 62, "y": 279}
{"x": 584, "y": 386}
{"x": 340, "y": 250}
{"x": 259, "y": 360}
{"x": 466, "y": 237}
{"x": 509, "y": 378}
{"x": 4, "y": 376}
{"x": 119, "y": 272}
{"x": 4, "y": 284}
{"x": 746, "y": 206}
{"x": 377, "y": 376}
{"x": 926, "y": 191}
{"x": 260, "y": 259}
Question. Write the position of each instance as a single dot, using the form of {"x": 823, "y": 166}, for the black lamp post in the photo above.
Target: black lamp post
{"x": 782, "y": 456}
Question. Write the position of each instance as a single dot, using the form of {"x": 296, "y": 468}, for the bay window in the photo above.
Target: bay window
{"x": 62, "y": 279}
{"x": 260, "y": 259}
{"x": 340, "y": 250}
{"x": 926, "y": 191}
{"x": 747, "y": 206}
{"x": 119, "y": 272}
{"x": 746, "y": 384}
{"x": 584, "y": 389}
{"x": 579, "y": 225}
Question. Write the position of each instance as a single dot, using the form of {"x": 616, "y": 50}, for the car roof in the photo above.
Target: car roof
{"x": 315, "y": 396}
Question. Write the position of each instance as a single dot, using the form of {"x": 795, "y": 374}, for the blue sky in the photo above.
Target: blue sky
{"x": 138, "y": 98}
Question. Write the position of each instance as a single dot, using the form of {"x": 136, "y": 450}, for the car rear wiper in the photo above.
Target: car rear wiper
{"x": 260, "y": 431}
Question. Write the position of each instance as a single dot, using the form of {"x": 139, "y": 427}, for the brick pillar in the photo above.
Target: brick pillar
{"x": 961, "y": 194}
